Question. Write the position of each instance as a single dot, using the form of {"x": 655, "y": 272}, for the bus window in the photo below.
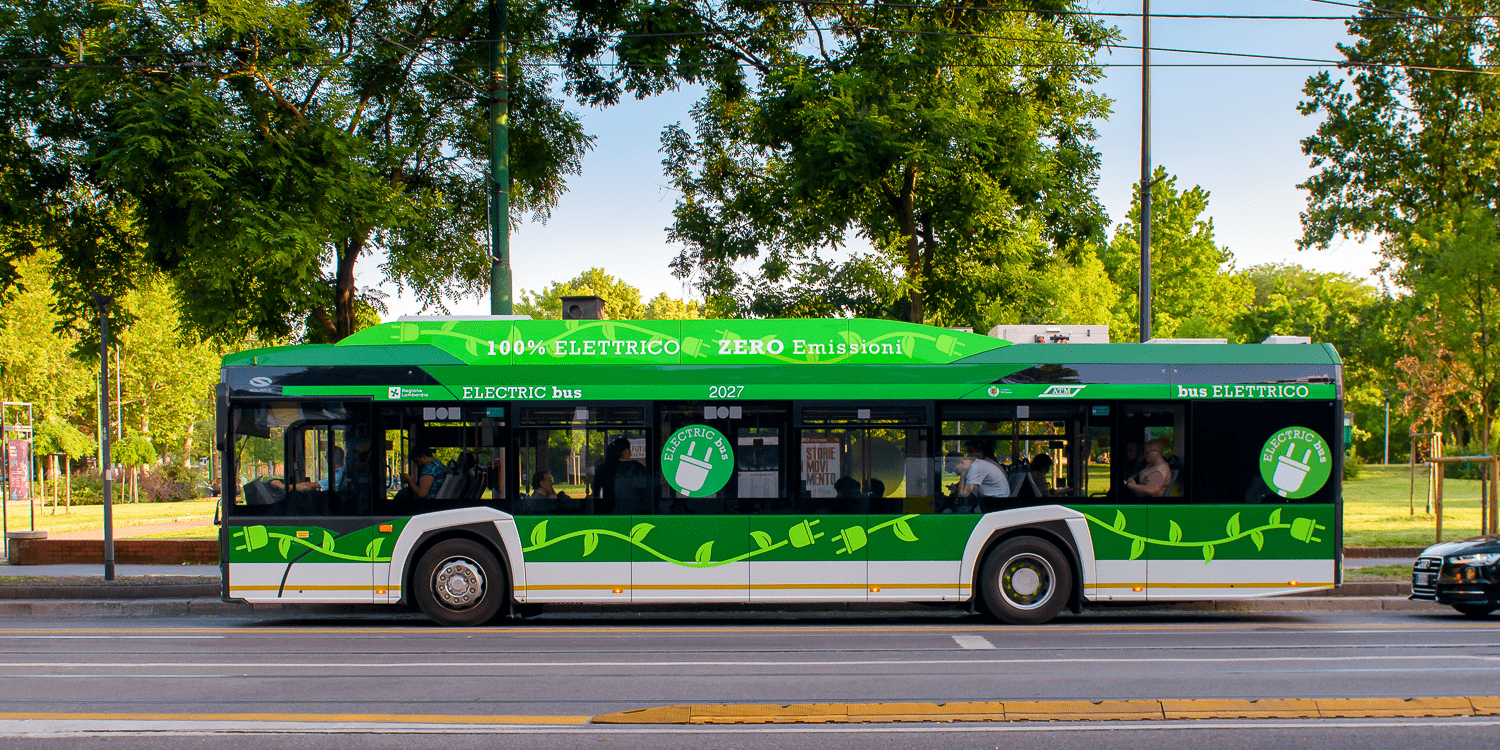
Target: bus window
{"x": 442, "y": 458}
{"x": 755, "y": 484}
{"x": 563, "y": 454}
{"x": 1041, "y": 447}
{"x": 301, "y": 460}
{"x": 859, "y": 461}
{"x": 1155, "y": 445}
{"x": 1228, "y": 441}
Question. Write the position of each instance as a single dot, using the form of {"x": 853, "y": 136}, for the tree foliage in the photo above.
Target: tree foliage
{"x": 953, "y": 139}
{"x": 1194, "y": 291}
{"x": 622, "y": 301}
{"x": 263, "y": 148}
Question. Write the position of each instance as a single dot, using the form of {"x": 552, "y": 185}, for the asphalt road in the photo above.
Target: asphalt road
{"x": 168, "y": 683}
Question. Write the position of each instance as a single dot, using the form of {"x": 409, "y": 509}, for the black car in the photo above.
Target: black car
{"x": 1464, "y": 574}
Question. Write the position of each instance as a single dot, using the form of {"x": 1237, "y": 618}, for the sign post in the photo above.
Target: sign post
{"x": 106, "y": 467}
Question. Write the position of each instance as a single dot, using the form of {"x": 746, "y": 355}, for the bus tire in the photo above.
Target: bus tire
{"x": 1025, "y": 581}
{"x": 459, "y": 583}
{"x": 1475, "y": 610}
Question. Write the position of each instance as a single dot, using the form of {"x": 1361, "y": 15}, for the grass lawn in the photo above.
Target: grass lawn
{"x": 196, "y": 532}
{"x": 1376, "y": 514}
{"x": 84, "y": 517}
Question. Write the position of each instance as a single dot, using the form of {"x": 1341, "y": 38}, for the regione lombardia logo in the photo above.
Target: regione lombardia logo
{"x": 393, "y": 392}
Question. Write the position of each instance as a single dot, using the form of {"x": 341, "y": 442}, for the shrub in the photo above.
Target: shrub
{"x": 1352, "y": 467}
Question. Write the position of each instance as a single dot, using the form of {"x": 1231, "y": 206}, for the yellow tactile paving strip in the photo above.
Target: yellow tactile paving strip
{"x": 1126, "y": 710}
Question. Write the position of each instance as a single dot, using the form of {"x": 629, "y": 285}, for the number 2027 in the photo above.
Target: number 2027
{"x": 725, "y": 391}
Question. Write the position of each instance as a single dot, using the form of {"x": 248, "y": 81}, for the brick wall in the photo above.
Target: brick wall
{"x": 127, "y": 551}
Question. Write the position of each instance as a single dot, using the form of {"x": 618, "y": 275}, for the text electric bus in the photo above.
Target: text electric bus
{"x": 475, "y": 468}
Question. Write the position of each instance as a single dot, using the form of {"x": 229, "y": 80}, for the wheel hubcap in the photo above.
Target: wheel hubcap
{"x": 458, "y": 583}
{"x": 1027, "y": 581}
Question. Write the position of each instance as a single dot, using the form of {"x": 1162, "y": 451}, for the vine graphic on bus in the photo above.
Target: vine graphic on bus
{"x": 801, "y": 534}
{"x": 1300, "y": 529}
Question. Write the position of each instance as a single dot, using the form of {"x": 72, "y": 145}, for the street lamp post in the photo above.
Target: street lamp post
{"x": 499, "y": 114}
{"x": 106, "y": 467}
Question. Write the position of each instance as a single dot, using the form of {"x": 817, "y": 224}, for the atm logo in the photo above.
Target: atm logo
{"x": 1062, "y": 391}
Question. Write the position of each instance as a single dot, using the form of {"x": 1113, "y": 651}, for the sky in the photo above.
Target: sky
{"x": 1234, "y": 131}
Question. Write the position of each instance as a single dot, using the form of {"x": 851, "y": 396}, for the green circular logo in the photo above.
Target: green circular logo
{"x": 697, "y": 460}
{"x": 1296, "y": 462}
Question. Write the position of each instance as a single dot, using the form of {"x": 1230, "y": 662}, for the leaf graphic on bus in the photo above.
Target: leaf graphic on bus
{"x": 285, "y": 546}
{"x": 590, "y": 542}
{"x": 762, "y": 539}
{"x": 1119, "y": 520}
{"x": 327, "y": 541}
{"x": 1137, "y": 546}
{"x": 1233, "y": 527}
{"x": 372, "y": 550}
{"x": 704, "y": 555}
{"x": 1208, "y": 553}
{"x": 1275, "y": 518}
{"x": 639, "y": 531}
{"x": 903, "y": 531}
{"x": 1174, "y": 532}
{"x": 1259, "y": 539}
{"x": 539, "y": 534}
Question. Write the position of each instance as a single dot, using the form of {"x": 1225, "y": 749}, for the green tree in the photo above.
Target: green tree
{"x": 37, "y": 363}
{"x": 621, "y": 300}
{"x": 167, "y": 377}
{"x": 1194, "y": 290}
{"x": 263, "y": 149}
{"x": 955, "y": 140}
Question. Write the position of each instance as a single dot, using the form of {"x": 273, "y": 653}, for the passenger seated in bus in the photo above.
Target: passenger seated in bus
{"x": 847, "y": 498}
{"x": 428, "y": 479}
{"x": 336, "y": 456}
{"x": 1041, "y": 470}
{"x": 621, "y": 485}
{"x": 984, "y": 481}
{"x": 1153, "y": 480}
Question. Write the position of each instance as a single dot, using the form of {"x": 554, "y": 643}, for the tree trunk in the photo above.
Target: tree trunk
{"x": 903, "y": 209}
{"x": 344, "y": 292}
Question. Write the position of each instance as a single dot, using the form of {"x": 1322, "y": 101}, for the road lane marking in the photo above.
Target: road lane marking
{"x": 1057, "y": 710}
{"x": 197, "y": 729}
{"x": 317, "y": 718}
{"x": 391, "y": 664}
{"x": 973, "y": 642}
{"x": 111, "y": 637}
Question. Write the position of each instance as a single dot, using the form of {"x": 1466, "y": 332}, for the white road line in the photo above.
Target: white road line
{"x": 975, "y": 642}
{"x": 392, "y": 664}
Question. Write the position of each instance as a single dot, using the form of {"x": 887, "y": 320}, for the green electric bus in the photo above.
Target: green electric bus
{"x": 478, "y": 468}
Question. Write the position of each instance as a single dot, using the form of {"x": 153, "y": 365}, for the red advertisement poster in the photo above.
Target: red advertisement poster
{"x": 18, "y": 464}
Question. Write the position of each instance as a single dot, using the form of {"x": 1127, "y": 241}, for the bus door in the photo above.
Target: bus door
{"x": 1154, "y": 438}
{"x": 299, "y": 523}
{"x": 722, "y": 465}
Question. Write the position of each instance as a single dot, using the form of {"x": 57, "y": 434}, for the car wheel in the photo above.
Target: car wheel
{"x": 1026, "y": 581}
{"x": 459, "y": 582}
{"x": 1475, "y": 610}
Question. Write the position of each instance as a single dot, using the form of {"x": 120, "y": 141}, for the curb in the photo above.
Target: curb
{"x": 1010, "y": 711}
{"x": 213, "y": 606}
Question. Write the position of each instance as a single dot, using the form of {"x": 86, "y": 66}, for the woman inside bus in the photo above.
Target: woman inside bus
{"x": 428, "y": 480}
{"x": 1153, "y": 480}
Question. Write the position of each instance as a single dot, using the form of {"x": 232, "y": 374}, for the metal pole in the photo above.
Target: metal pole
{"x": 1387, "y": 461}
{"x": 1145, "y": 323}
{"x": 499, "y": 162}
{"x": 106, "y": 467}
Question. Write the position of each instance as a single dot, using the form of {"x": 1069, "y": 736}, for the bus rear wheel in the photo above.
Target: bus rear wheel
{"x": 459, "y": 583}
{"x": 1025, "y": 581}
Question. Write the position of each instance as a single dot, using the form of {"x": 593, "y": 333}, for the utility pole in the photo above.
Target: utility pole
{"x": 1145, "y": 324}
{"x": 499, "y": 162}
{"x": 106, "y": 467}
{"x": 1387, "y": 460}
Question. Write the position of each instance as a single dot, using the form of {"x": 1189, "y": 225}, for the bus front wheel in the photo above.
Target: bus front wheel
{"x": 1025, "y": 581}
{"x": 459, "y": 582}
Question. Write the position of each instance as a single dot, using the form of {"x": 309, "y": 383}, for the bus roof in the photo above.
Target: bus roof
{"x": 498, "y": 341}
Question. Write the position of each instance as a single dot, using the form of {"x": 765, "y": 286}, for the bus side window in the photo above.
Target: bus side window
{"x": 1153, "y": 466}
